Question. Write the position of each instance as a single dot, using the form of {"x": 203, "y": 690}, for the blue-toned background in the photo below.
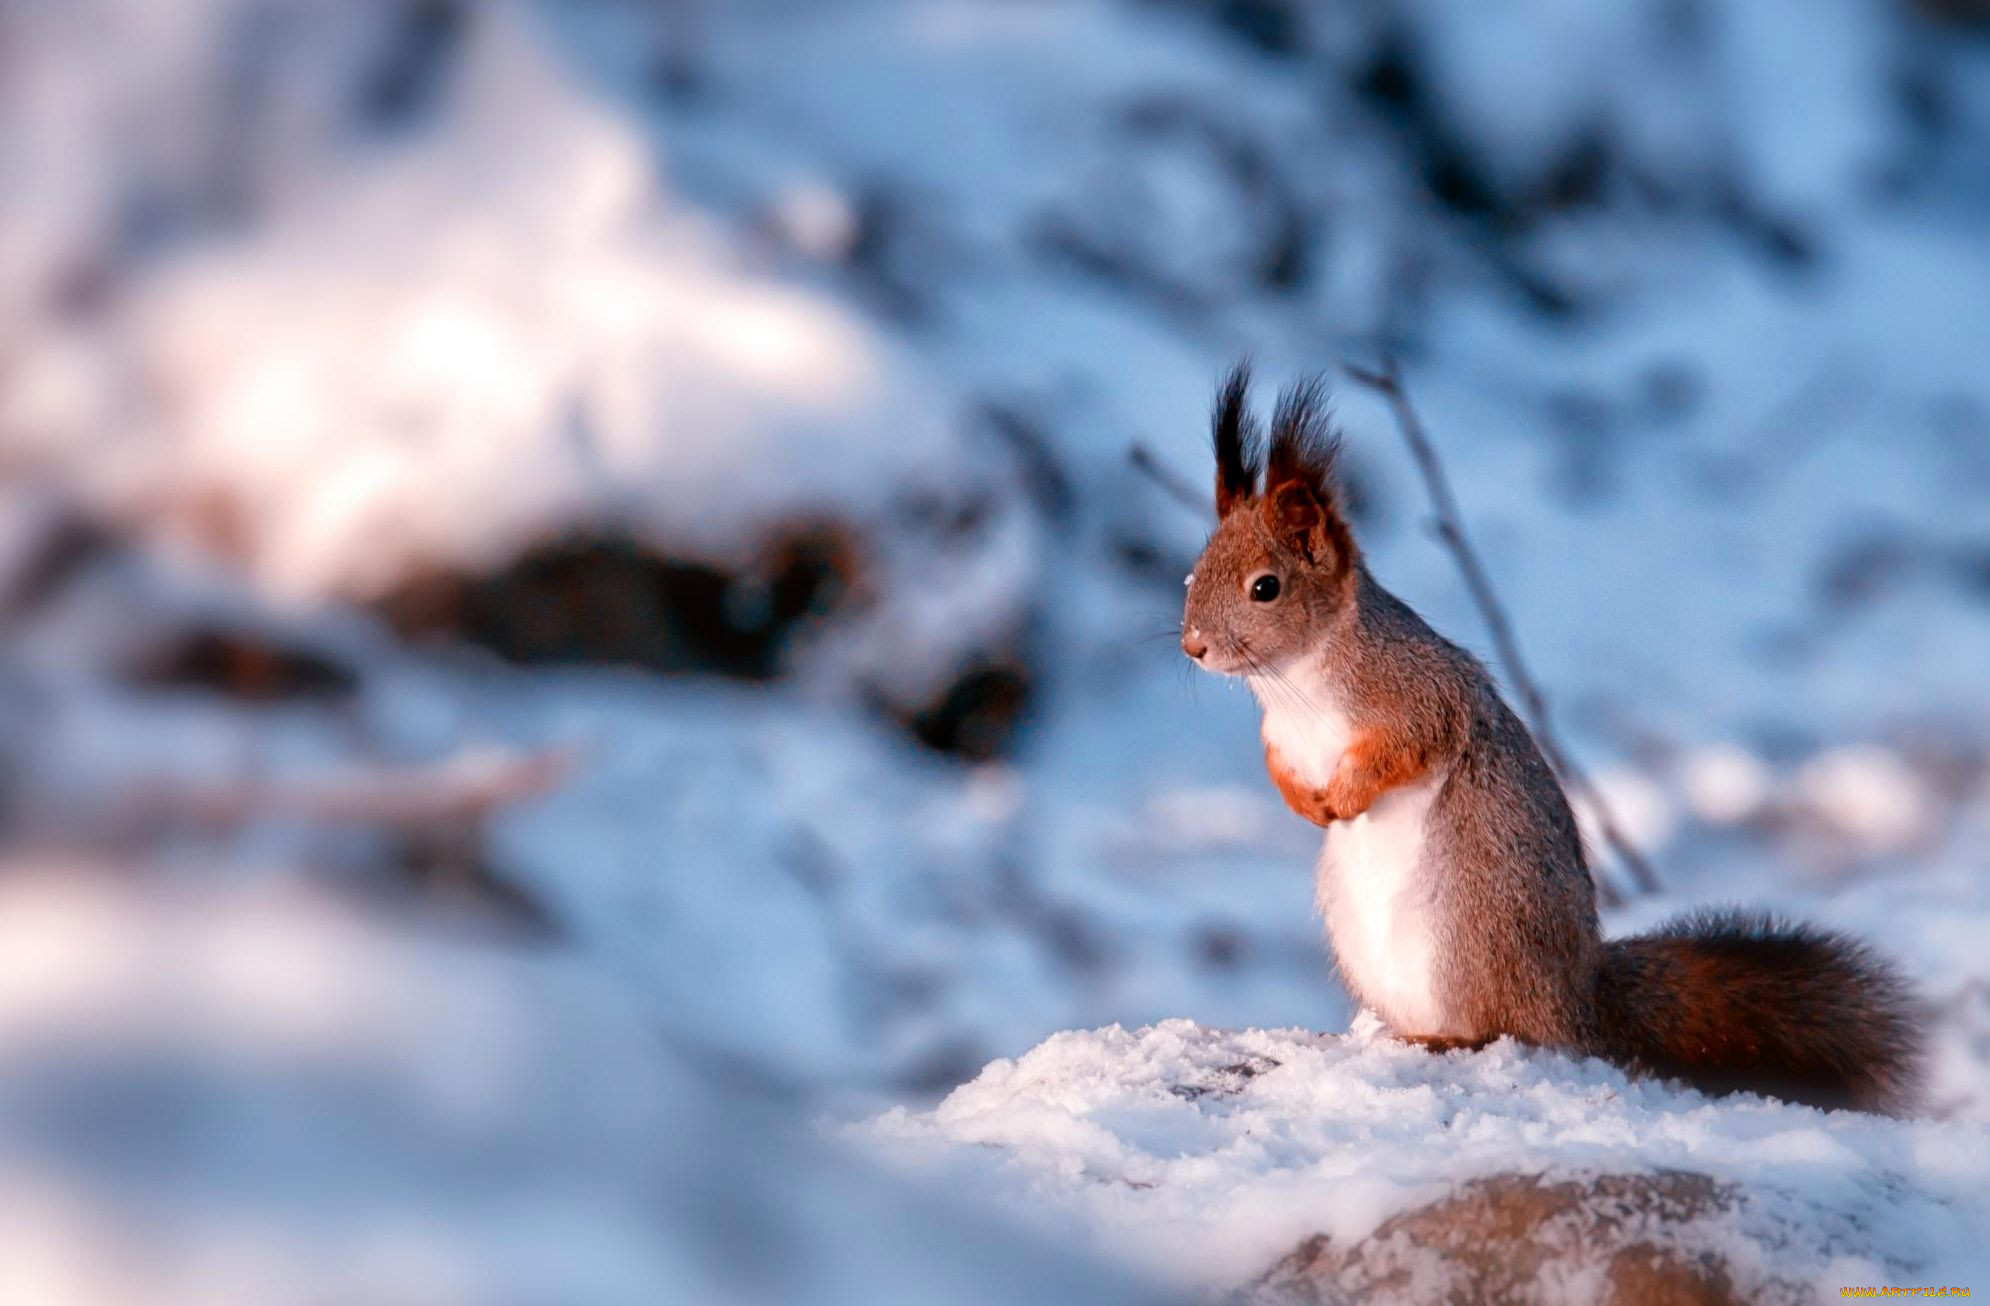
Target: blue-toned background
{"x": 574, "y": 597}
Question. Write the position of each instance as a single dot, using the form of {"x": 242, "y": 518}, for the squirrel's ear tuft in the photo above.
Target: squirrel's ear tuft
{"x": 1305, "y": 448}
{"x": 1238, "y": 440}
{"x": 1302, "y": 492}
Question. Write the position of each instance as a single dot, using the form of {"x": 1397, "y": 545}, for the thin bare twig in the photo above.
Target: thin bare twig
{"x": 1171, "y": 484}
{"x": 1451, "y": 532}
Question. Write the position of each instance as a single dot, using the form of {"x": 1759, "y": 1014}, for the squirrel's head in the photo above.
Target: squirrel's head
{"x": 1281, "y": 563}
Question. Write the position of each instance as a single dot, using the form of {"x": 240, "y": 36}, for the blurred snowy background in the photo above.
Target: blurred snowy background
{"x": 573, "y": 597}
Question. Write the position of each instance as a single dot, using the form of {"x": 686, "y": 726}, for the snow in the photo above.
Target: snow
{"x": 572, "y": 352}
{"x": 924, "y": 269}
{"x": 485, "y": 368}
{"x": 1867, "y": 794}
{"x": 1211, "y": 1154}
{"x": 1725, "y": 784}
{"x": 226, "y": 1092}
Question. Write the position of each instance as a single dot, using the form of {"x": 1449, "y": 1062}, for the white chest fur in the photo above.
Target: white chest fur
{"x": 1304, "y": 723}
{"x": 1374, "y": 889}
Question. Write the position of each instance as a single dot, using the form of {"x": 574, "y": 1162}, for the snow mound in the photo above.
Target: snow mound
{"x": 431, "y": 350}
{"x": 425, "y": 350}
{"x": 1212, "y": 1156}
{"x": 246, "y": 1089}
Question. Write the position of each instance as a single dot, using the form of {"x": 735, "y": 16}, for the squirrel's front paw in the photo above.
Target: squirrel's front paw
{"x": 1372, "y": 765}
{"x": 1349, "y": 793}
{"x": 1310, "y": 802}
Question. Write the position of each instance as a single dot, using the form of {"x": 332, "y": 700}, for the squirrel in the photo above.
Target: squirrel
{"x": 1452, "y": 878}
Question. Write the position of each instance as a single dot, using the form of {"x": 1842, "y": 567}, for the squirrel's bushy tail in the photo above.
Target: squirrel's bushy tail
{"x": 1736, "y": 1001}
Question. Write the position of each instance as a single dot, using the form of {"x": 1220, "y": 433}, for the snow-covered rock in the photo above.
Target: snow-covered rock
{"x": 1306, "y": 1166}
{"x": 1649, "y": 1239}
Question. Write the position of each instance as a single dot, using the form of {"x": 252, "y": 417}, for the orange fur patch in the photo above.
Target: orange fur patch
{"x": 1305, "y": 799}
{"x": 1372, "y": 765}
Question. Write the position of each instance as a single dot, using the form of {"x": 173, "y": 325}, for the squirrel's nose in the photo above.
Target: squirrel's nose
{"x": 1194, "y": 644}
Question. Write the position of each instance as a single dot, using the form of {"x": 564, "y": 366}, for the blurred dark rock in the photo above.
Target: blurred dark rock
{"x": 1651, "y": 1240}
{"x": 250, "y": 666}
{"x": 611, "y": 600}
{"x": 977, "y": 716}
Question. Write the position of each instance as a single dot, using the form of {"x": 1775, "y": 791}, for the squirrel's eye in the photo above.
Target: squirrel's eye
{"x": 1264, "y": 589}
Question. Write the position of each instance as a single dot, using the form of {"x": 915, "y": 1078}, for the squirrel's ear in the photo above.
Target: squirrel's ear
{"x": 1302, "y": 492}
{"x": 1304, "y": 522}
{"x": 1237, "y": 439}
